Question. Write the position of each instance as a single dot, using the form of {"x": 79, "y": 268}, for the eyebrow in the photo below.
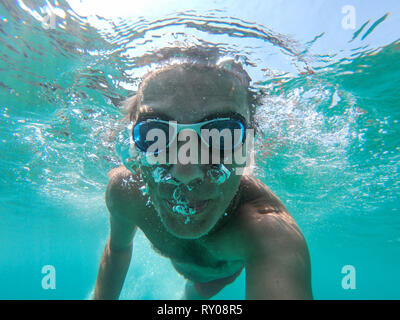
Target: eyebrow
{"x": 153, "y": 115}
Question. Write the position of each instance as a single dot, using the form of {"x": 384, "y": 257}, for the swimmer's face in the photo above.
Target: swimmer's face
{"x": 189, "y": 96}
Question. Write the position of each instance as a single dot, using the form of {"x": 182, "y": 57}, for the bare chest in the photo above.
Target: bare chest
{"x": 195, "y": 259}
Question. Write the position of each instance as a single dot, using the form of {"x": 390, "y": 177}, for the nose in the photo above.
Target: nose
{"x": 187, "y": 173}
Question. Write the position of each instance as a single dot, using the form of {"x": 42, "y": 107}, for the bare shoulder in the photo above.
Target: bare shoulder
{"x": 254, "y": 191}
{"x": 123, "y": 193}
{"x": 265, "y": 224}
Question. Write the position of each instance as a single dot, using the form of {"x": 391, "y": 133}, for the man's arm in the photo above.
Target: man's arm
{"x": 117, "y": 253}
{"x": 277, "y": 262}
{"x": 115, "y": 261}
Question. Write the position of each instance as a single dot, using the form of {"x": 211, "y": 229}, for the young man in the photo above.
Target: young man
{"x": 209, "y": 220}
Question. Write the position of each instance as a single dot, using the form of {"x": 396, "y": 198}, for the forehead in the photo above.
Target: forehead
{"x": 191, "y": 94}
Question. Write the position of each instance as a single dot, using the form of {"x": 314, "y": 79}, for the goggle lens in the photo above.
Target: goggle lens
{"x": 223, "y": 134}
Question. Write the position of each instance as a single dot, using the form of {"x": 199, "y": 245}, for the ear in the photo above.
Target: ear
{"x": 129, "y": 107}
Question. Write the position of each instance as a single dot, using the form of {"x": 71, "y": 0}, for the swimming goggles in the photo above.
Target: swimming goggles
{"x": 213, "y": 133}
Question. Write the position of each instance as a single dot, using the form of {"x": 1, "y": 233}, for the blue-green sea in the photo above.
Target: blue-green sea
{"x": 328, "y": 144}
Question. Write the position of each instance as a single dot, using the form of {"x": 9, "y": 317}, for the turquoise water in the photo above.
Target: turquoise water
{"x": 328, "y": 144}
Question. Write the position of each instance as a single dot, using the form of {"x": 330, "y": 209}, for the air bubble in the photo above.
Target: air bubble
{"x": 178, "y": 195}
{"x": 183, "y": 210}
{"x": 149, "y": 203}
{"x": 219, "y": 175}
{"x": 144, "y": 190}
{"x": 159, "y": 174}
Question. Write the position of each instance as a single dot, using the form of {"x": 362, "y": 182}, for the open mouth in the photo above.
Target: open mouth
{"x": 190, "y": 208}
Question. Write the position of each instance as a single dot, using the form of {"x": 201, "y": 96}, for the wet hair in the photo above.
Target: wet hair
{"x": 195, "y": 58}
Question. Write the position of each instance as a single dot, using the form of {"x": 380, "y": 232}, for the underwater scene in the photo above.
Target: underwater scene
{"x": 326, "y": 144}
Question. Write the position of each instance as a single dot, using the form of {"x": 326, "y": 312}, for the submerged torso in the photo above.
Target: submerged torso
{"x": 194, "y": 259}
{"x": 199, "y": 260}
{"x": 212, "y": 256}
